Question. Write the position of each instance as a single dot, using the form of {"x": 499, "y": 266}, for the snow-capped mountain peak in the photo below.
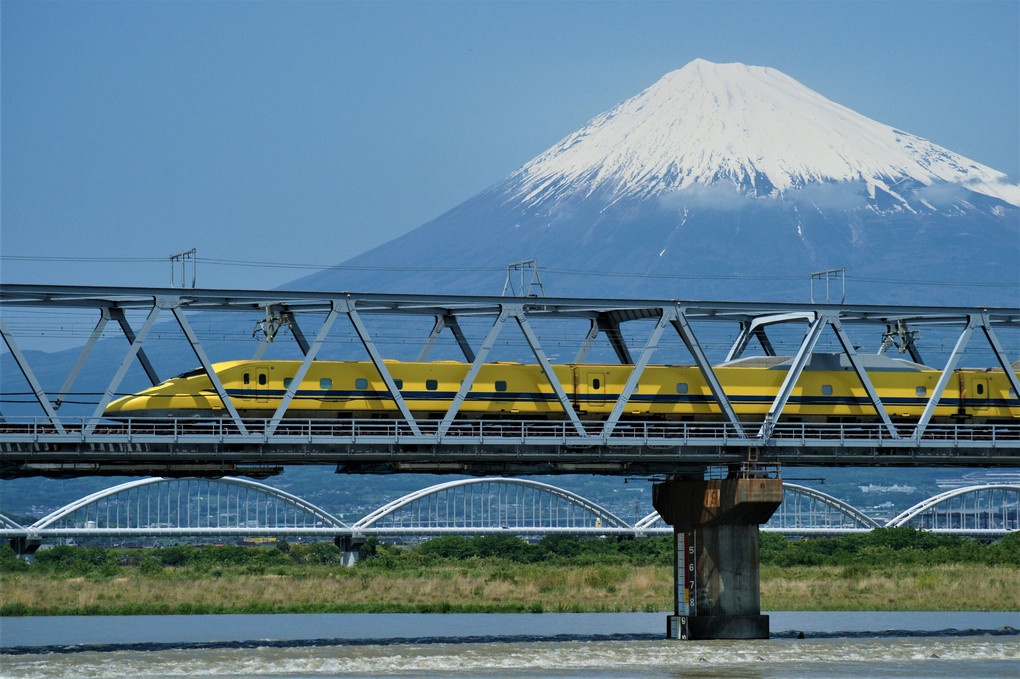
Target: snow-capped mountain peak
{"x": 751, "y": 127}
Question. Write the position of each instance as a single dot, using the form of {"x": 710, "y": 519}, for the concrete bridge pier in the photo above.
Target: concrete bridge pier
{"x": 715, "y": 532}
{"x": 350, "y": 545}
{"x": 26, "y": 547}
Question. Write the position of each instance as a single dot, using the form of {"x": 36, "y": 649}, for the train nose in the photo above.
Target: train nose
{"x": 123, "y": 406}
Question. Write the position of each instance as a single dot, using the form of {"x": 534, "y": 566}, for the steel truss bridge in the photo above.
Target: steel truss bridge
{"x": 234, "y": 507}
{"x": 56, "y": 444}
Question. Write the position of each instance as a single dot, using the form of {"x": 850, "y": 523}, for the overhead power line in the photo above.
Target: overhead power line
{"x": 601, "y": 273}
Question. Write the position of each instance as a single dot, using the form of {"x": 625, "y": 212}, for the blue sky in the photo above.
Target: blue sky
{"x": 305, "y": 133}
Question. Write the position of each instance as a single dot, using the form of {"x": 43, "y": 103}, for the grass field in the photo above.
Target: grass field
{"x": 485, "y": 587}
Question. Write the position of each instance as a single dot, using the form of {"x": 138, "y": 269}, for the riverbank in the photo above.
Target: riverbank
{"x": 898, "y": 569}
{"x": 496, "y": 589}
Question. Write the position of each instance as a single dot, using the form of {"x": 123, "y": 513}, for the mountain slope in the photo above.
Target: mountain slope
{"x": 723, "y": 181}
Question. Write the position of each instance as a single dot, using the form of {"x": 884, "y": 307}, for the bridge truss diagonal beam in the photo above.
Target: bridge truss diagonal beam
{"x": 285, "y": 318}
{"x": 118, "y": 377}
{"x": 446, "y": 320}
{"x": 667, "y": 315}
{"x": 683, "y": 327}
{"x": 472, "y": 373}
{"x": 302, "y": 370}
{"x": 65, "y": 388}
{"x": 348, "y": 306}
{"x": 33, "y": 383}
{"x": 1000, "y": 355}
{"x": 536, "y": 347}
{"x": 974, "y": 320}
{"x": 203, "y": 359}
{"x": 792, "y": 375}
{"x": 862, "y": 375}
{"x": 143, "y": 359}
{"x": 756, "y": 328}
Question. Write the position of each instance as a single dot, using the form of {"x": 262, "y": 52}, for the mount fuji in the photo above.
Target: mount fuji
{"x": 723, "y": 181}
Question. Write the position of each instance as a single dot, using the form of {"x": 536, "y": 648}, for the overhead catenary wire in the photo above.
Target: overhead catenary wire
{"x": 602, "y": 273}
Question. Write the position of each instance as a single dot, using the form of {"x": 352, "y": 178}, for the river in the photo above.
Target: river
{"x": 607, "y": 645}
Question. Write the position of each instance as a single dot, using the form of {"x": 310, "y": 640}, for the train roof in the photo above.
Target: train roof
{"x": 829, "y": 362}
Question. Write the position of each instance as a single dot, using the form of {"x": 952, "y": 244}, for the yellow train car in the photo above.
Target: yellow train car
{"x": 827, "y": 390}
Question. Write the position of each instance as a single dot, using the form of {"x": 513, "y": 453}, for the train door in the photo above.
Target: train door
{"x": 980, "y": 393}
{"x": 261, "y": 386}
{"x": 595, "y": 388}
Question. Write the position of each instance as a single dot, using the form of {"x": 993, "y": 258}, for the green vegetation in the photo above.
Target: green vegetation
{"x": 888, "y": 569}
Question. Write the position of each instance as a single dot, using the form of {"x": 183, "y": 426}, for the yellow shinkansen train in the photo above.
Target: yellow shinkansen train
{"x": 827, "y": 390}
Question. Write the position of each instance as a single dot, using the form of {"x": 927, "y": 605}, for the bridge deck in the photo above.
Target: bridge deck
{"x": 484, "y": 446}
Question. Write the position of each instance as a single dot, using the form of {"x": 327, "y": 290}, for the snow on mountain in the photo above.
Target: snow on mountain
{"x": 723, "y": 181}
{"x": 747, "y": 126}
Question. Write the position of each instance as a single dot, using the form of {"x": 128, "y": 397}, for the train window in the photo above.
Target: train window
{"x": 921, "y": 391}
{"x": 287, "y": 382}
{"x": 361, "y": 383}
{"x": 399, "y": 383}
{"x": 980, "y": 388}
{"x": 325, "y": 383}
{"x": 262, "y": 379}
{"x": 681, "y": 387}
{"x": 596, "y": 383}
{"x": 500, "y": 385}
{"x": 826, "y": 390}
{"x": 247, "y": 378}
{"x": 431, "y": 385}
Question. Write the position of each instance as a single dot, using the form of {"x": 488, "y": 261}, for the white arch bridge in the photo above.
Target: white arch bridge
{"x": 240, "y": 508}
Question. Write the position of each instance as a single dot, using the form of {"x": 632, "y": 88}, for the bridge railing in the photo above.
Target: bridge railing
{"x": 521, "y": 432}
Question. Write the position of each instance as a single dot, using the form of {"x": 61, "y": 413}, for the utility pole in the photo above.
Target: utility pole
{"x": 184, "y": 258}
